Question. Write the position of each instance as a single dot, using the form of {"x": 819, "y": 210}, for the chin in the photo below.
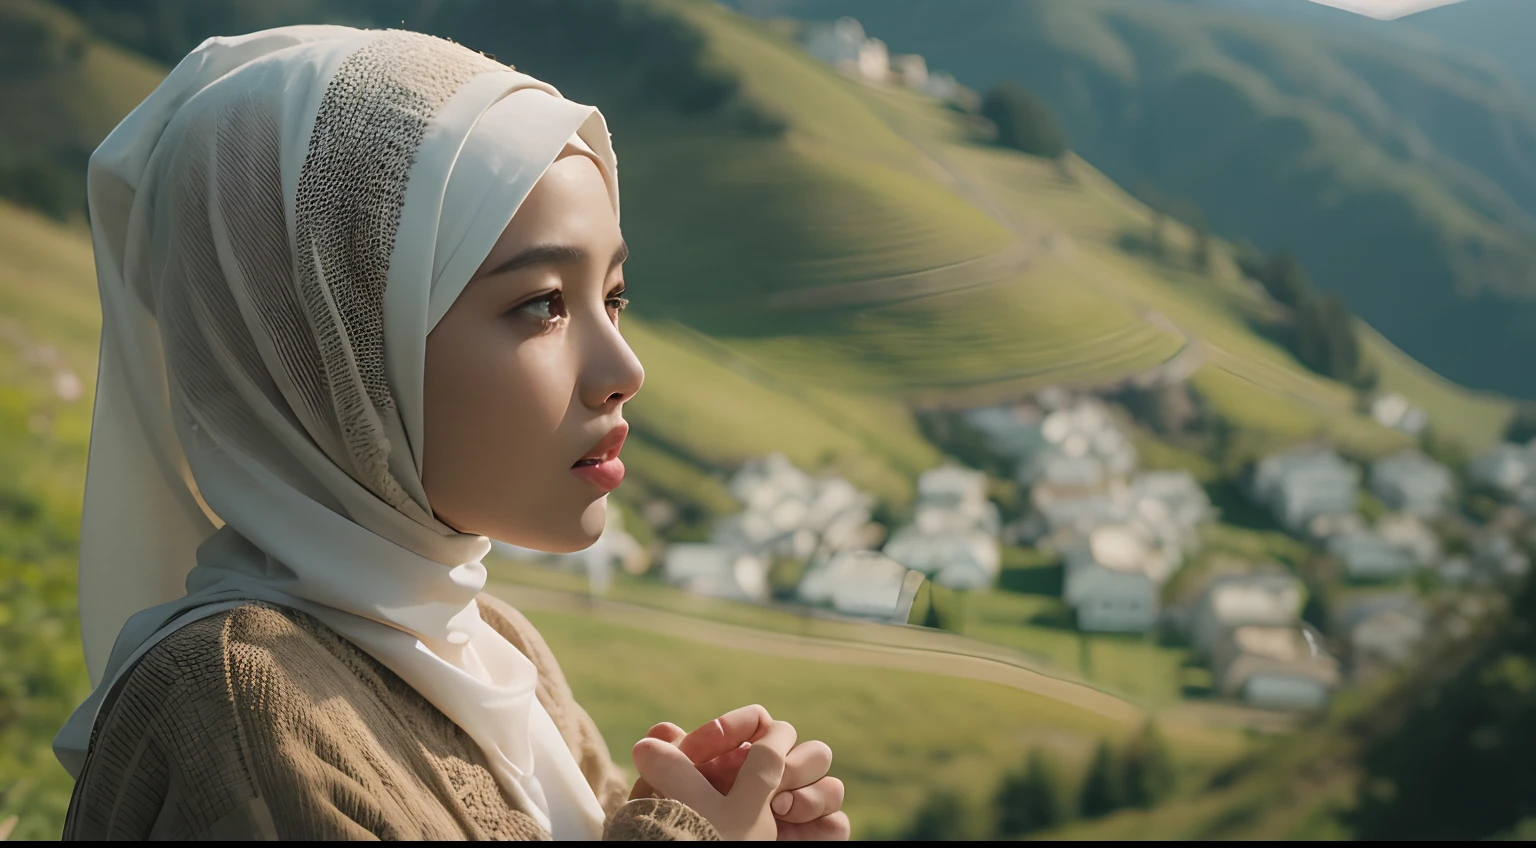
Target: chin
{"x": 575, "y": 531}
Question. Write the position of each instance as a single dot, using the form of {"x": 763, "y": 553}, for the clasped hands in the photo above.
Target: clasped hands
{"x": 744, "y": 773}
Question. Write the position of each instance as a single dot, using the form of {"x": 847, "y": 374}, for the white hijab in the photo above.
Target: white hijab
{"x": 277, "y": 228}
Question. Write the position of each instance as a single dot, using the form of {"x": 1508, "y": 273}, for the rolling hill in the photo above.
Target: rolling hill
{"x": 1401, "y": 171}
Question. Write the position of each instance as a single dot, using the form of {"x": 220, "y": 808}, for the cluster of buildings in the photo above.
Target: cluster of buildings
{"x": 825, "y": 522}
{"x": 786, "y": 514}
{"x": 1246, "y": 628}
{"x": 1315, "y": 494}
{"x": 1121, "y": 532}
{"x": 843, "y": 45}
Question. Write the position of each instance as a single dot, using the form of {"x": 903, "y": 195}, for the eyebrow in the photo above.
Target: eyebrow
{"x": 554, "y": 254}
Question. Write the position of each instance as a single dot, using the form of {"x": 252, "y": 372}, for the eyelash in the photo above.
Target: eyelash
{"x": 556, "y": 301}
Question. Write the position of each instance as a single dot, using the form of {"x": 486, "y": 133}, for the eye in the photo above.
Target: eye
{"x": 548, "y": 309}
{"x": 616, "y": 302}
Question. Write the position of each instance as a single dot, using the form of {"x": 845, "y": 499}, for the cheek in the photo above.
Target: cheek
{"x": 494, "y": 403}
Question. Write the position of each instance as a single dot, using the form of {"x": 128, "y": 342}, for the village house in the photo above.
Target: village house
{"x": 952, "y": 498}
{"x": 1381, "y": 632}
{"x": 716, "y": 571}
{"x": 1274, "y": 667}
{"x": 1269, "y": 598}
{"x": 1411, "y": 535}
{"x": 953, "y": 534}
{"x": 843, "y": 45}
{"x": 1411, "y": 482}
{"x": 1396, "y": 412}
{"x": 866, "y": 584}
{"x": 1496, "y": 559}
{"x": 956, "y": 560}
{"x": 791, "y": 514}
{"x": 1107, "y": 584}
{"x": 1082, "y": 445}
{"x": 1505, "y": 469}
{"x": 1301, "y": 485}
{"x": 1011, "y": 431}
{"x": 1367, "y": 557}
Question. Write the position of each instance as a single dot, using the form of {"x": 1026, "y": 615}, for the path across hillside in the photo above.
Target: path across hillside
{"x": 817, "y": 649}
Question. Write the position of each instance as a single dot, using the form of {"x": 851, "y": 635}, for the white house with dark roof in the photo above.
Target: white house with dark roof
{"x": 1413, "y": 483}
{"x": 1301, "y": 485}
{"x": 1274, "y": 667}
{"x": 1271, "y": 598}
{"x": 1108, "y": 581}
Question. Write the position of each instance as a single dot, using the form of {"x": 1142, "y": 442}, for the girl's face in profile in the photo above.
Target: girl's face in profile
{"x": 527, "y": 375}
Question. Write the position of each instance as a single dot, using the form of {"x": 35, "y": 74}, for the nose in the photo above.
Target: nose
{"x": 611, "y": 373}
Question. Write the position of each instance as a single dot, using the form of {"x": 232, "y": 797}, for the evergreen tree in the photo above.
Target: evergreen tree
{"x": 1326, "y": 341}
{"x": 1148, "y": 768}
{"x": 1103, "y": 791}
{"x": 941, "y": 818}
{"x": 1522, "y": 426}
{"x": 1023, "y": 121}
{"x": 1285, "y": 280}
{"x": 1030, "y": 800}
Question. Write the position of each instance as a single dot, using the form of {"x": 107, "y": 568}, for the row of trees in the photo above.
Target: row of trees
{"x": 1036, "y": 797}
{"x": 1322, "y": 331}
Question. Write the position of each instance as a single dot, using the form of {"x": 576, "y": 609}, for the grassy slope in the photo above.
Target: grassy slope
{"x": 46, "y": 292}
{"x": 1251, "y": 380}
{"x": 1404, "y": 178}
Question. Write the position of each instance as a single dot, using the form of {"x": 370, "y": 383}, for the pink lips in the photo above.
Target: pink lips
{"x": 601, "y": 466}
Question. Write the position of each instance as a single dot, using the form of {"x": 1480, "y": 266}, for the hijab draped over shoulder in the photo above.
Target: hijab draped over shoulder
{"x": 277, "y": 228}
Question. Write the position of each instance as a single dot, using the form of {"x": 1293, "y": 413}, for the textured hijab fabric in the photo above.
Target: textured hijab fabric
{"x": 283, "y": 205}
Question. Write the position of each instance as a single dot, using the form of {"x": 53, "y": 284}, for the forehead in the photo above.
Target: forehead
{"x": 570, "y": 202}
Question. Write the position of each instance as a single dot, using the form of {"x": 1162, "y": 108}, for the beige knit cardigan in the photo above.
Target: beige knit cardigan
{"x": 262, "y": 723}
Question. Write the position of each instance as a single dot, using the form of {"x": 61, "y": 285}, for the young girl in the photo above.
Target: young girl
{"x": 360, "y": 297}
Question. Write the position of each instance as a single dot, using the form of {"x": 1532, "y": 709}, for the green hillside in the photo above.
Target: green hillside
{"x": 1403, "y": 177}
{"x": 63, "y": 92}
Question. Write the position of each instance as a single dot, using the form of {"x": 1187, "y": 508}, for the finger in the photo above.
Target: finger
{"x": 643, "y": 789}
{"x": 669, "y": 772}
{"x": 834, "y": 827}
{"x": 822, "y": 798}
{"x": 720, "y": 736}
{"x": 721, "y": 771}
{"x": 806, "y": 763}
{"x": 666, "y": 732}
{"x": 764, "y": 767}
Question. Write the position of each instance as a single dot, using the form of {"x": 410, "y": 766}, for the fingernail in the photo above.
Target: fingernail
{"x": 782, "y": 803}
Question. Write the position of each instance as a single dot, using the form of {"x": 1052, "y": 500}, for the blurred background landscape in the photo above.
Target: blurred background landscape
{"x": 1093, "y": 418}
